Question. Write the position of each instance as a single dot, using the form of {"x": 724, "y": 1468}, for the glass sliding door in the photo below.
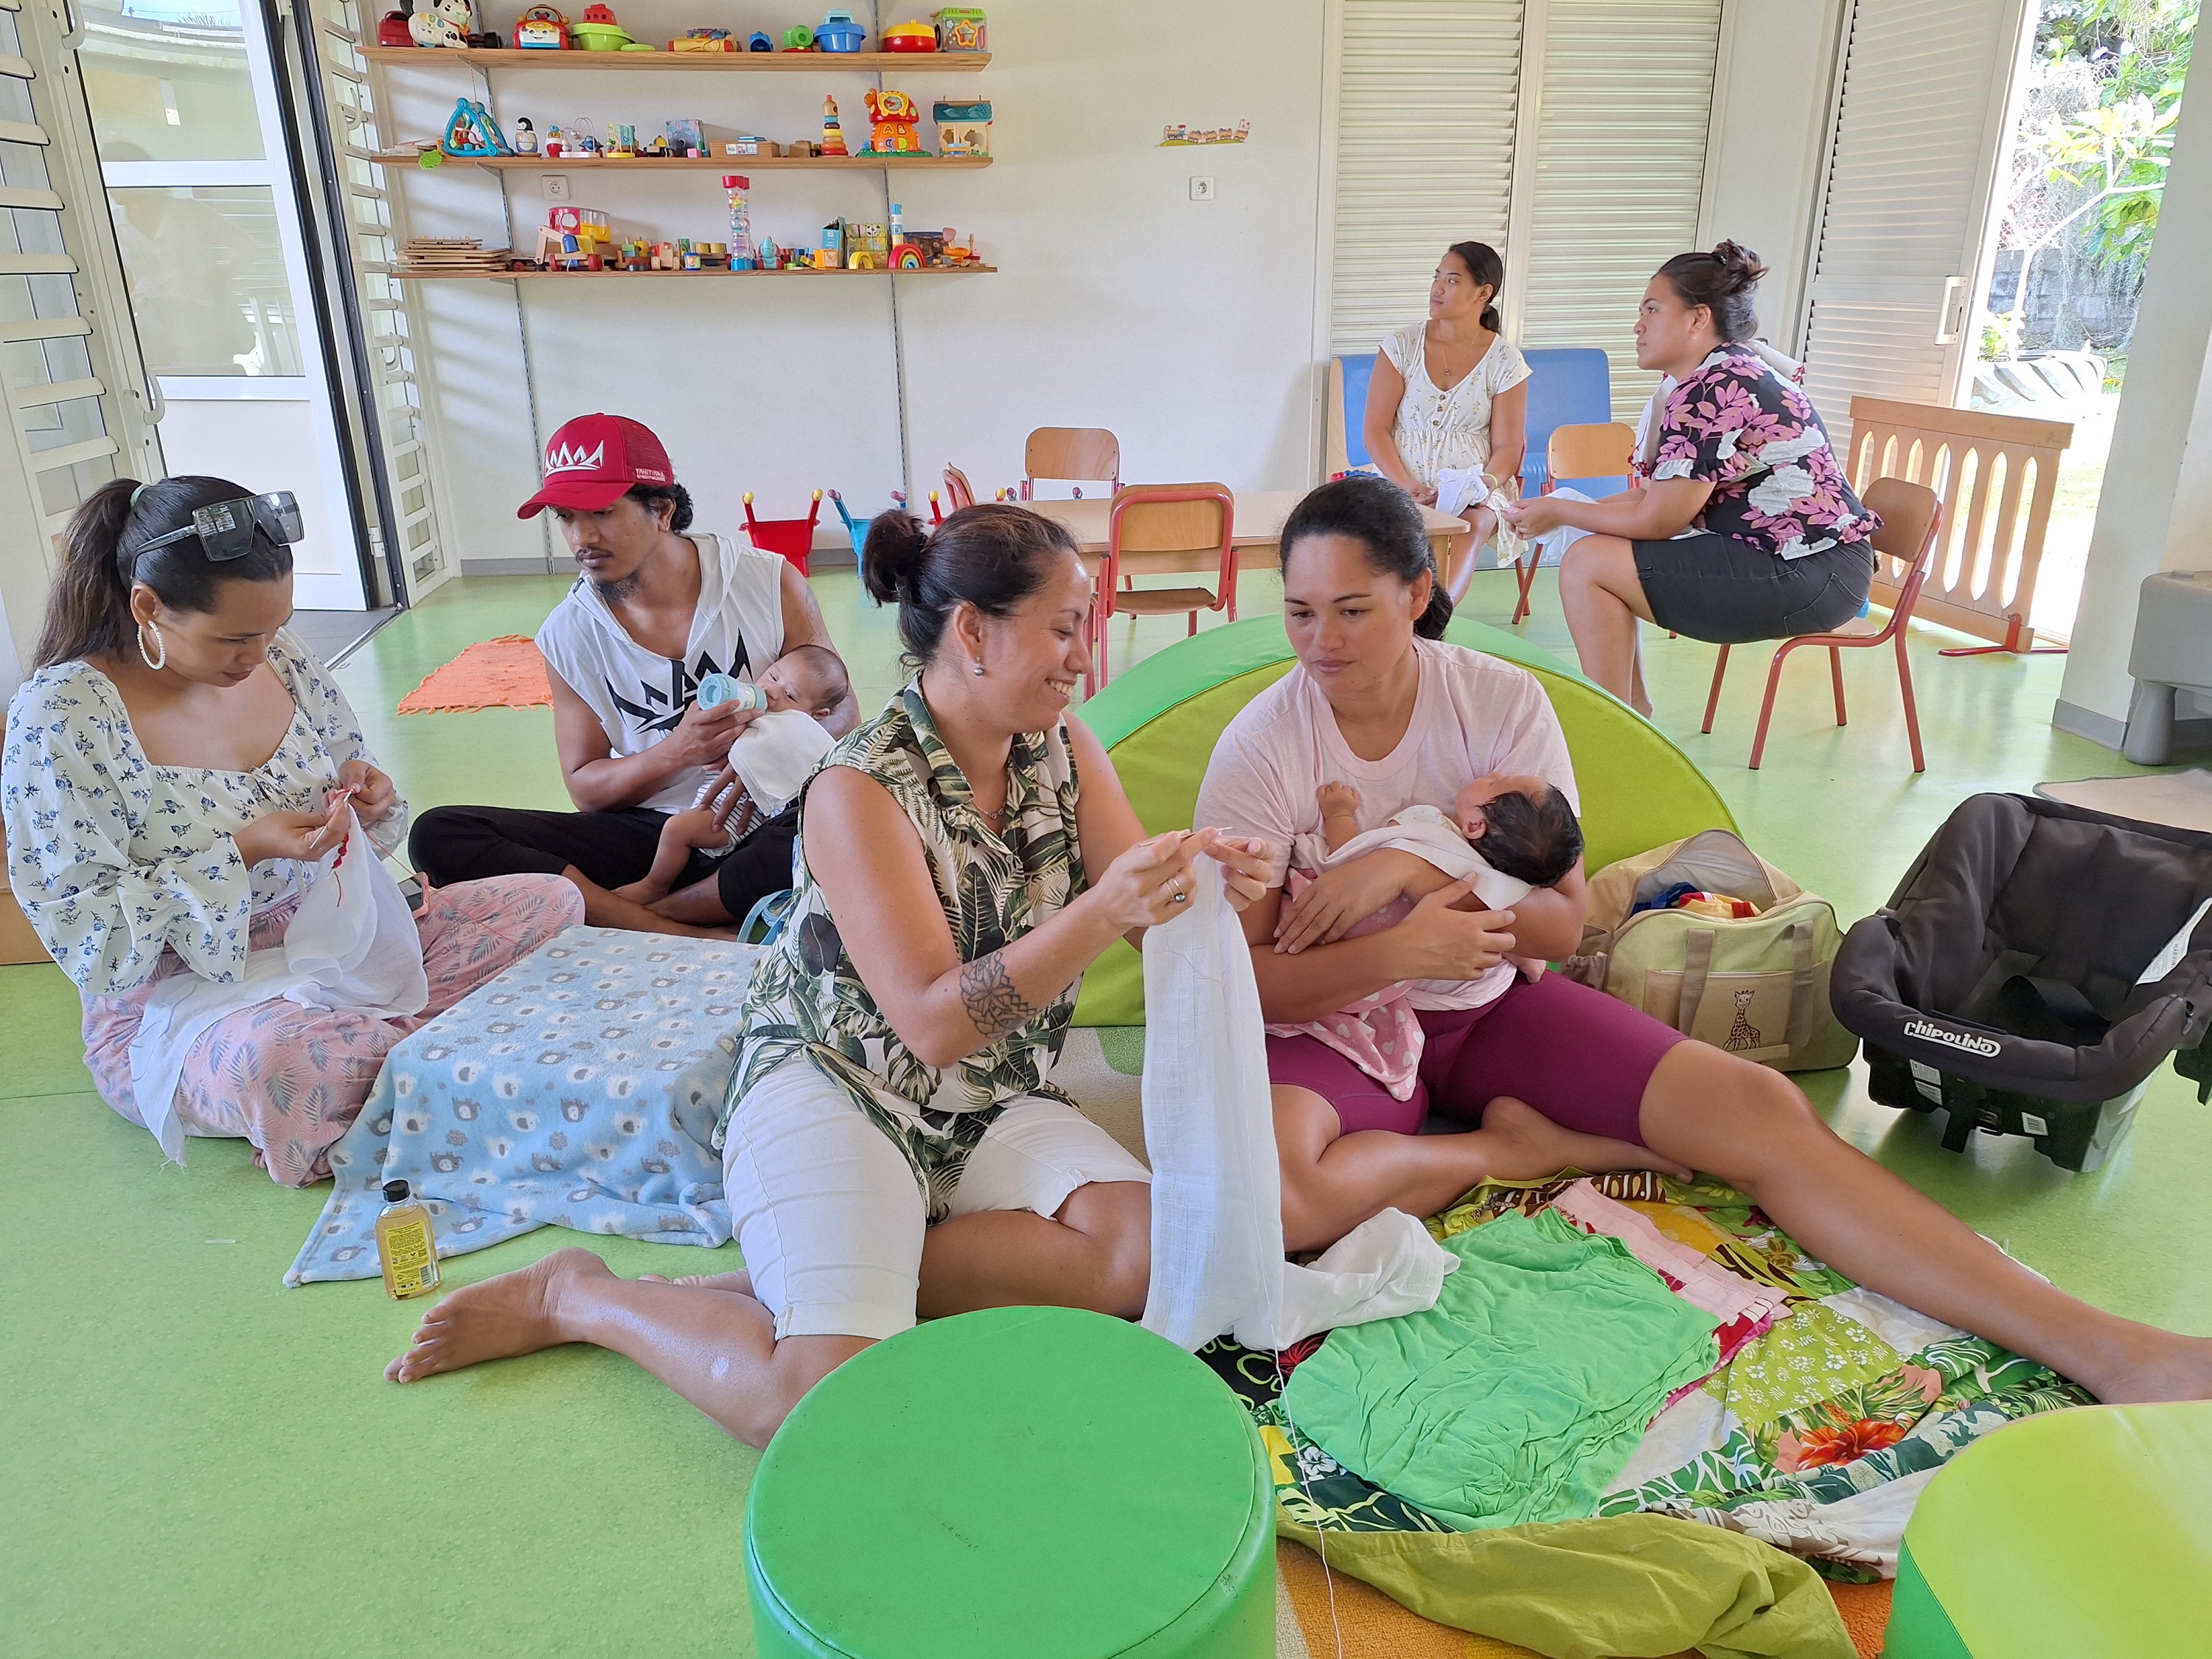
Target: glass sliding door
{"x": 192, "y": 149}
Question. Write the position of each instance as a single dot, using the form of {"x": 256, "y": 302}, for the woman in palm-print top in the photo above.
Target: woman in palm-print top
{"x": 962, "y": 858}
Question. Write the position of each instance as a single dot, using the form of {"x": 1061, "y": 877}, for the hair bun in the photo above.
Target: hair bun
{"x": 1740, "y": 264}
{"x": 892, "y": 556}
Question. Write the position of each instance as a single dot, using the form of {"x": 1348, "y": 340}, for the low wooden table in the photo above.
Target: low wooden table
{"x": 1258, "y": 523}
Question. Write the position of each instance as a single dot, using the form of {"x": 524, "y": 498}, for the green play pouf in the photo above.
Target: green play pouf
{"x": 2071, "y": 1536}
{"x": 1025, "y": 1483}
{"x": 1160, "y": 720}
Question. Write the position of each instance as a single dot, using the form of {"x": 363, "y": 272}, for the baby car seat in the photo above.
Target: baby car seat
{"x": 2032, "y": 969}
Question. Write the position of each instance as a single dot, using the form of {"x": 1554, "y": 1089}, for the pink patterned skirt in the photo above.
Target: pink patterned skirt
{"x": 292, "y": 1079}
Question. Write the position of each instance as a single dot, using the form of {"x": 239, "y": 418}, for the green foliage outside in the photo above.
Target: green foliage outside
{"x": 2103, "y": 88}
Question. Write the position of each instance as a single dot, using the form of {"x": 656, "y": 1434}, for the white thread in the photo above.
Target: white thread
{"x": 1321, "y": 1532}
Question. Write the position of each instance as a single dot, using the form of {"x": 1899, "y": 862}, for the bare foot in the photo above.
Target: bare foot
{"x": 1526, "y": 1145}
{"x": 516, "y": 1313}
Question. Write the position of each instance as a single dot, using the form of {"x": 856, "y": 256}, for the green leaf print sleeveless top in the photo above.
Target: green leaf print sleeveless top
{"x": 807, "y": 1000}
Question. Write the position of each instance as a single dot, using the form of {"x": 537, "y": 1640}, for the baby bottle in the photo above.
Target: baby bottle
{"x": 718, "y": 688}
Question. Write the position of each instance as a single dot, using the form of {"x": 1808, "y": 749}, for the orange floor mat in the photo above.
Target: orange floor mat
{"x": 1373, "y": 1627}
{"x": 506, "y": 673}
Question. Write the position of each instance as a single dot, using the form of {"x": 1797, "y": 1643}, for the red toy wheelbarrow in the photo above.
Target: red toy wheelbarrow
{"x": 793, "y": 537}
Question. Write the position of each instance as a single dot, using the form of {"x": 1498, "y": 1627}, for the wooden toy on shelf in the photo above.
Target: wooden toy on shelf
{"x": 962, "y": 129}
{"x": 444, "y": 24}
{"x": 905, "y": 256}
{"x": 542, "y": 28}
{"x": 526, "y": 137}
{"x": 961, "y": 28}
{"x": 833, "y": 130}
{"x": 893, "y": 121}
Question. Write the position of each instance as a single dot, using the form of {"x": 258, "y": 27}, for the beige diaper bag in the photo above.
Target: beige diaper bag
{"x": 1756, "y": 986}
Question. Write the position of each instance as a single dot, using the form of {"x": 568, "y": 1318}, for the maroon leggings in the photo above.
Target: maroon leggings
{"x": 1580, "y": 1057}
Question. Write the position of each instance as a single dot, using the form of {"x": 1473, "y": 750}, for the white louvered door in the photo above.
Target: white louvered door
{"x": 1919, "y": 128}
{"x": 396, "y": 432}
{"x": 1620, "y": 171}
{"x": 1431, "y": 90}
{"x": 78, "y": 407}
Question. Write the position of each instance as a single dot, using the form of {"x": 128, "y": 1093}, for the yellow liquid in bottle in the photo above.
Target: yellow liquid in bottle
{"x": 406, "y": 1249}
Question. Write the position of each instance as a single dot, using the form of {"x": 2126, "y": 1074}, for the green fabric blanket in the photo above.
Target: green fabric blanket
{"x": 1522, "y": 1393}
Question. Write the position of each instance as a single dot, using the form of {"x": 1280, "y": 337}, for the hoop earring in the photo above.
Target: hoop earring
{"x": 158, "y": 641}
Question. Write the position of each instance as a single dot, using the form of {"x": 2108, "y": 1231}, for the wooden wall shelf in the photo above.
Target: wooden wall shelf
{"x": 407, "y": 158}
{"x": 704, "y": 278}
{"x": 820, "y": 63}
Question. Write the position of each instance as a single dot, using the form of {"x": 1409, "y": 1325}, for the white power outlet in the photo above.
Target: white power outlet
{"x": 556, "y": 186}
{"x": 1202, "y": 190}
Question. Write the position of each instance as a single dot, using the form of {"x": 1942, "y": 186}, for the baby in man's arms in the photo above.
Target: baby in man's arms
{"x": 768, "y": 760}
{"x": 1512, "y": 834}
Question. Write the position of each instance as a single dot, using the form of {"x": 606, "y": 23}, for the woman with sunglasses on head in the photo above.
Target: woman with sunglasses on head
{"x": 167, "y": 779}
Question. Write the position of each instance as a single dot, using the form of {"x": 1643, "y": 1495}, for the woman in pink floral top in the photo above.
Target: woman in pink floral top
{"x": 1745, "y": 528}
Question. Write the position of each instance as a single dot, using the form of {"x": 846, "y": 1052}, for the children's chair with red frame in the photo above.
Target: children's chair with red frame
{"x": 1156, "y": 530}
{"x": 793, "y": 537}
{"x": 1603, "y": 450}
{"x": 1911, "y": 519}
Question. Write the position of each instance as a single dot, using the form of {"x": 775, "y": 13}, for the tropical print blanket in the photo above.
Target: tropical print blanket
{"x": 1831, "y": 1408}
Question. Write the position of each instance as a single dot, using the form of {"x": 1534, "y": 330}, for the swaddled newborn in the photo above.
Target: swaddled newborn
{"x": 1512, "y": 834}
{"x": 801, "y": 689}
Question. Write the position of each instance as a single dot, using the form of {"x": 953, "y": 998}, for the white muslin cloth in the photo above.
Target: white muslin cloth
{"x": 1217, "y": 1260}
{"x": 775, "y": 754}
{"x": 351, "y": 944}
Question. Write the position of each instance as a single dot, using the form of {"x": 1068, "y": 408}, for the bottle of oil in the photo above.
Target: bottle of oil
{"x": 405, "y": 1244}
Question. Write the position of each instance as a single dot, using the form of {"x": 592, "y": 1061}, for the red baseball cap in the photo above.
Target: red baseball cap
{"x": 592, "y": 461}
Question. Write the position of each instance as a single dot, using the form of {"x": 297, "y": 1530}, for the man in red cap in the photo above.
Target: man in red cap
{"x": 655, "y": 611}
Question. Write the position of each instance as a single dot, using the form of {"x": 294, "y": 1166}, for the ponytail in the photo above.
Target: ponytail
{"x": 1484, "y": 267}
{"x": 991, "y": 555}
{"x": 89, "y": 609}
{"x": 105, "y": 552}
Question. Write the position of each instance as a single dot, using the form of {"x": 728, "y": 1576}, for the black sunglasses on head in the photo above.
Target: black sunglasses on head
{"x": 226, "y": 529}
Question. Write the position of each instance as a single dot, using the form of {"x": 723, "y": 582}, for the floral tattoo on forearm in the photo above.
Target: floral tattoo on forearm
{"x": 988, "y": 993}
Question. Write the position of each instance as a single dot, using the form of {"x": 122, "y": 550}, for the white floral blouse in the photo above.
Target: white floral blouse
{"x": 114, "y": 859}
{"x": 1436, "y": 428}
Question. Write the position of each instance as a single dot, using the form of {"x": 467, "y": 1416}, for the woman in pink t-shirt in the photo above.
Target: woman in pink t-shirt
{"x": 1554, "y": 1074}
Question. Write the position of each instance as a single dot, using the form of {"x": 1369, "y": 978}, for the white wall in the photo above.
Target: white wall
{"x": 2156, "y": 511}
{"x": 1772, "y": 98}
{"x": 1185, "y": 327}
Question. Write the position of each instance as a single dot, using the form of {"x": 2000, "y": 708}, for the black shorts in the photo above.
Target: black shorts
{"x": 1722, "y": 591}
{"x": 467, "y": 843}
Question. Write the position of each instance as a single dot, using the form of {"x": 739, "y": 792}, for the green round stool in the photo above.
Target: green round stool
{"x": 1035, "y": 1483}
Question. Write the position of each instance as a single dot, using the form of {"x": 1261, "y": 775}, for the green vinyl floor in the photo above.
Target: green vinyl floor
{"x": 195, "y": 1461}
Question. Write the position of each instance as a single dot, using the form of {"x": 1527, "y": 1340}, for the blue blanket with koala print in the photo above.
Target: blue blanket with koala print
{"x": 578, "y": 1088}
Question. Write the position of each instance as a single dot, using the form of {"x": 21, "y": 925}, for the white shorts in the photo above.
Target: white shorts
{"x": 830, "y": 1217}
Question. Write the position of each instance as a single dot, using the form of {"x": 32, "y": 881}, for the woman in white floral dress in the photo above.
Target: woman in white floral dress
{"x": 165, "y": 781}
{"x": 1451, "y": 391}
{"x": 896, "y": 1145}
